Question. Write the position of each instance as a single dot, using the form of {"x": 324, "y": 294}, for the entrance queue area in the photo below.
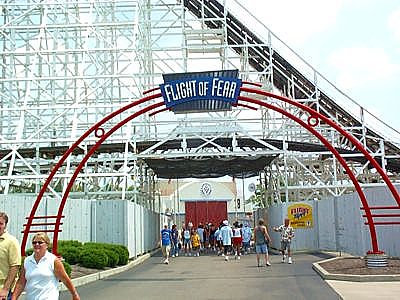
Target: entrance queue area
{"x": 225, "y": 240}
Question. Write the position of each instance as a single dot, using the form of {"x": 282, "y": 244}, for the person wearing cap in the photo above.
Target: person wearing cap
{"x": 165, "y": 241}
{"x": 226, "y": 237}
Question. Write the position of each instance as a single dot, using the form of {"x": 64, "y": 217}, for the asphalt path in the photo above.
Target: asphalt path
{"x": 210, "y": 277}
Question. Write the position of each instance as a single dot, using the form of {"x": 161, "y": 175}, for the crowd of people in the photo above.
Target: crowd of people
{"x": 224, "y": 240}
{"x": 39, "y": 274}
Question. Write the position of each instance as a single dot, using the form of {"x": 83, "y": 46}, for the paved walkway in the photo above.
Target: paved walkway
{"x": 349, "y": 290}
{"x": 210, "y": 277}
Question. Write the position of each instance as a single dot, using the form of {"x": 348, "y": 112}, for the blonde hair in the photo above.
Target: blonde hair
{"x": 42, "y": 236}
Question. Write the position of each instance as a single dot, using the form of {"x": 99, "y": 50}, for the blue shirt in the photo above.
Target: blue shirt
{"x": 246, "y": 232}
{"x": 226, "y": 235}
{"x": 165, "y": 237}
{"x": 174, "y": 235}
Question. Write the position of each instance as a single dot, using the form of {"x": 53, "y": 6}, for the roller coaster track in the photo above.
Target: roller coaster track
{"x": 262, "y": 57}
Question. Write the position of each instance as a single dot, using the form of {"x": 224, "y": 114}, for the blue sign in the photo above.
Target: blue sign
{"x": 189, "y": 89}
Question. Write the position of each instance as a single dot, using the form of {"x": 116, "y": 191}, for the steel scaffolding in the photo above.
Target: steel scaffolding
{"x": 67, "y": 64}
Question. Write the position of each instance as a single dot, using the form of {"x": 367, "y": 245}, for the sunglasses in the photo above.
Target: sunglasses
{"x": 37, "y": 242}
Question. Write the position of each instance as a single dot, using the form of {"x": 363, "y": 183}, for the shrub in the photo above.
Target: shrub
{"x": 122, "y": 251}
{"x": 69, "y": 243}
{"x": 123, "y": 254}
{"x": 93, "y": 257}
{"x": 113, "y": 258}
{"x": 68, "y": 268}
{"x": 74, "y": 252}
{"x": 71, "y": 254}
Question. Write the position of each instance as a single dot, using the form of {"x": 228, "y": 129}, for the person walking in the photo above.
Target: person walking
{"x": 200, "y": 231}
{"x": 206, "y": 237}
{"x": 212, "y": 238}
{"x": 41, "y": 273}
{"x": 246, "y": 238}
{"x": 261, "y": 238}
{"x": 186, "y": 240}
{"x": 175, "y": 241}
{"x": 226, "y": 238}
{"x": 218, "y": 241}
{"x": 165, "y": 241}
{"x": 237, "y": 240}
{"x": 287, "y": 234}
{"x": 10, "y": 259}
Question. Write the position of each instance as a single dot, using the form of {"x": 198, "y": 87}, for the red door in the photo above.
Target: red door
{"x": 205, "y": 212}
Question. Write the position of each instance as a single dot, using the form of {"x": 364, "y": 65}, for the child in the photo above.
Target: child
{"x": 195, "y": 239}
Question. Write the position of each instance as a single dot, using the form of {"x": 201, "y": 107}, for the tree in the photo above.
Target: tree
{"x": 259, "y": 198}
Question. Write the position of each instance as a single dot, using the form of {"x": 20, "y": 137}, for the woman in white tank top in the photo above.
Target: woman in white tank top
{"x": 41, "y": 272}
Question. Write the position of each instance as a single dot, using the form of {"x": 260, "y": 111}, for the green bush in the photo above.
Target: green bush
{"x": 71, "y": 254}
{"x": 69, "y": 243}
{"x": 93, "y": 257}
{"x": 122, "y": 251}
{"x": 68, "y": 268}
{"x": 113, "y": 258}
{"x": 75, "y": 252}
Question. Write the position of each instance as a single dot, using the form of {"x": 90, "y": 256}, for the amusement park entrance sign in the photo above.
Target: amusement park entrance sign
{"x": 215, "y": 86}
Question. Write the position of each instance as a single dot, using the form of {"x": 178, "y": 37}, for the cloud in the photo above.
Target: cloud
{"x": 393, "y": 23}
{"x": 358, "y": 66}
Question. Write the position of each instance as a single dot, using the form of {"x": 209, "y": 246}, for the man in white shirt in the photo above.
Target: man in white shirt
{"x": 287, "y": 234}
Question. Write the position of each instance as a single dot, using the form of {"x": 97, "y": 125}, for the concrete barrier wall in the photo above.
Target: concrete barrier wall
{"x": 108, "y": 221}
{"x": 339, "y": 224}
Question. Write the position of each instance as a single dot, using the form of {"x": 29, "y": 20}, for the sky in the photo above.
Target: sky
{"x": 355, "y": 44}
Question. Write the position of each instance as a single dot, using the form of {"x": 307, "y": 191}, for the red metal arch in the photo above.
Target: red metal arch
{"x": 313, "y": 113}
{"x": 94, "y": 129}
{"x": 309, "y": 126}
{"x": 342, "y": 161}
